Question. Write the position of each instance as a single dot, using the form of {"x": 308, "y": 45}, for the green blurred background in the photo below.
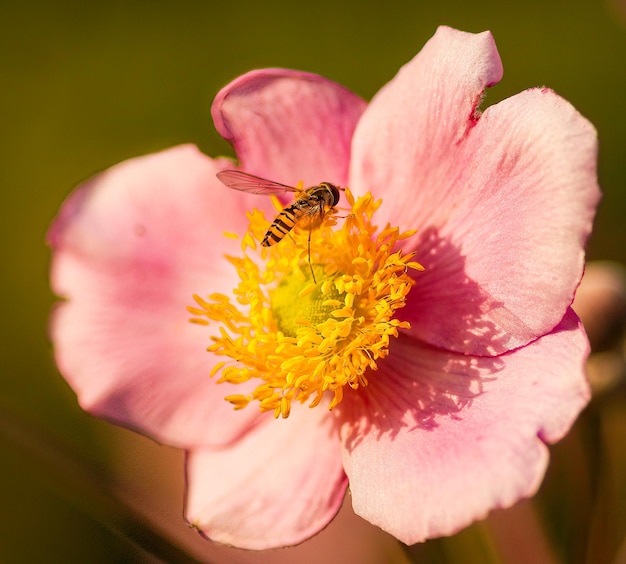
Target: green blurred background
{"x": 87, "y": 84}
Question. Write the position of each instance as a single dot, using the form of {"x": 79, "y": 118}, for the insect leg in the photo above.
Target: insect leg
{"x": 309, "y": 257}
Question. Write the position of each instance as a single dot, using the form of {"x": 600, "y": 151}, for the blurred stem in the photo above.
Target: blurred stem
{"x": 608, "y": 516}
{"x": 519, "y": 536}
{"x": 50, "y": 461}
{"x": 473, "y": 544}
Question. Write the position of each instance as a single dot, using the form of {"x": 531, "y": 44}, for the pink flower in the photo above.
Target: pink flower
{"x": 487, "y": 366}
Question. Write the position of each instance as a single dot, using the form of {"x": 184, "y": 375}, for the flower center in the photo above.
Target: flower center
{"x": 301, "y": 338}
{"x": 292, "y": 310}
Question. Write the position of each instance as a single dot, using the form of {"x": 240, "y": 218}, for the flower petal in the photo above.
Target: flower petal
{"x": 277, "y": 486}
{"x": 130, "y": 247}
{"x": 503, "y": 202}
{"x": 525, "y": 197}
{"x": 289, "y": 126}
{"x": 405, "y": 137}
{"x": 422, "y": 462}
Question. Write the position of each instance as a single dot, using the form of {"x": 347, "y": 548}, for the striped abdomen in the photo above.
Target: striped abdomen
{"x": 285, "y": 222}
{"x": 311, "y": 209}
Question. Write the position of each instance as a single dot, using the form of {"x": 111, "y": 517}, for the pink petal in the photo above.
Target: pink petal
{"x": 289, "y": 126}
{"x": 130, "y": 247}
{"x": 506, "y": 264}
{"x": 404, "y": 139}
{"x": 277, "y": 486}
{"x": 503, "y": 203}
{"x": 441, "y": 439}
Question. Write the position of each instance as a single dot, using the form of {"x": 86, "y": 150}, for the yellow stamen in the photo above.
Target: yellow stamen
{"x": 301, "y": 340}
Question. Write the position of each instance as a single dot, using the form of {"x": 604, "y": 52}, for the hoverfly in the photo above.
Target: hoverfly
{"x": 308, "y": 210}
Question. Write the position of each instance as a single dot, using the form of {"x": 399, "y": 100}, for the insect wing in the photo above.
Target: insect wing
{"x": 238, "y": 180}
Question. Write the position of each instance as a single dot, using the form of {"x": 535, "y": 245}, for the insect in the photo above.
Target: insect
{"x": 308, "y": 210}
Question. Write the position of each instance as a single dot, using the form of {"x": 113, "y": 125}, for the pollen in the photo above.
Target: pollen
{"x": 296, "y": 339}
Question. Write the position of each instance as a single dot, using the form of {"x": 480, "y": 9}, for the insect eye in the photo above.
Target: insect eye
{"x": 335, "y": 192}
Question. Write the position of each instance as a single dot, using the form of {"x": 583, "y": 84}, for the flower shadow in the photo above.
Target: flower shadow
{"x": 451, "y": 310}
{"x": 418, "y": 393}
{"x": 419, "y": 385}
